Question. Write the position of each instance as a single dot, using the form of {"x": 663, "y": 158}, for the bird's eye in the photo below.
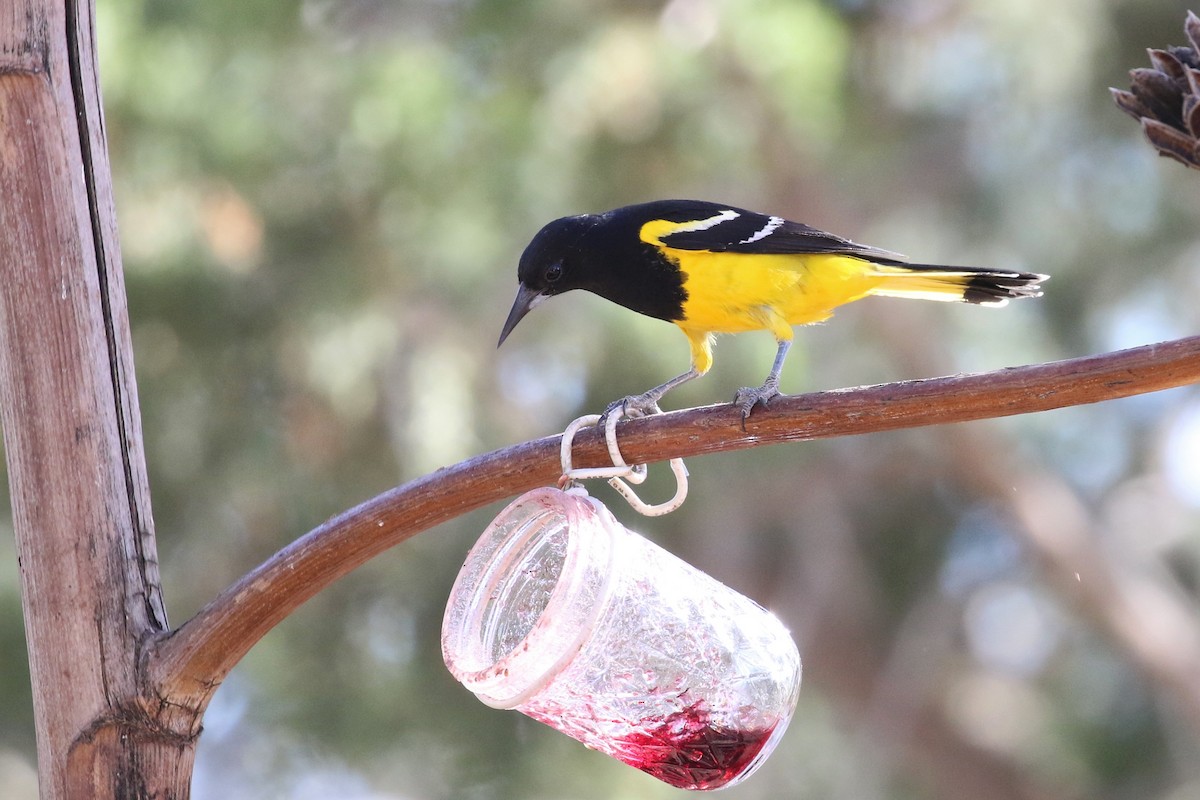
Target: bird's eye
{"x": 553, "y": 272}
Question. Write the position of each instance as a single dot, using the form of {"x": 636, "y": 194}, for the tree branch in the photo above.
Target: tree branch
{"x": 187, "y": 667}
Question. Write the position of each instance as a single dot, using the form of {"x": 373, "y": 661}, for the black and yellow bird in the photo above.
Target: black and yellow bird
{"x": 712, "y": 268}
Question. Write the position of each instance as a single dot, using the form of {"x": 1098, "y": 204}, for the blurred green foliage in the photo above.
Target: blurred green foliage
{"x": 321, "y": 205}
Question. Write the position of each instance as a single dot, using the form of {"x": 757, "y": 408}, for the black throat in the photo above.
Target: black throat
{"x": 622, "y": 268}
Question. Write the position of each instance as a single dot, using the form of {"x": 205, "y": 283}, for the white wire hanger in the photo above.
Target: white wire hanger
{"x": 619, "y": 472}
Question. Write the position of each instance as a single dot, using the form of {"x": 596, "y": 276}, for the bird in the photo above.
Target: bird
{"x": 712, "y": 268}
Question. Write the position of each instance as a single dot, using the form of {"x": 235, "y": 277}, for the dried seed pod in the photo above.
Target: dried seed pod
{"x": 1165, "y": 98}
{"x": 1169, "y": 64}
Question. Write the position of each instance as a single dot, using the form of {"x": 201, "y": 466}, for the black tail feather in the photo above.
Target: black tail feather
{"x": 991, "y": 286}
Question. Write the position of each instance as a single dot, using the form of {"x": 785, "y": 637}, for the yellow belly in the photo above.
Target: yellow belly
{"x": 734, "y": 293}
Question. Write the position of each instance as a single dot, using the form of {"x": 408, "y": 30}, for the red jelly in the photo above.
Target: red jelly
{"x": 688, "y": 752}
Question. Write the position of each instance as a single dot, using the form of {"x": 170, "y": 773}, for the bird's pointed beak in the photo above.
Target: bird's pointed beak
{"x": 526, "y": 299}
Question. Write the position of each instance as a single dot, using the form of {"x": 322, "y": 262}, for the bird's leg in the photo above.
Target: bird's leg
{"x": 747, "y": 398}
{"x": 646, "y": 403}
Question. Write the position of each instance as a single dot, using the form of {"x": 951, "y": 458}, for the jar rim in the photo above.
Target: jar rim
{"x": 570, "y": 610}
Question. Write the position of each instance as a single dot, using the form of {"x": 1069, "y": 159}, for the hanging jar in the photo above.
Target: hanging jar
{"x": 562, "y": 613}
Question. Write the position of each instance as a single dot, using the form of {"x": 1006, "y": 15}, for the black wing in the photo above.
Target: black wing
{"x": 728, "y": 229}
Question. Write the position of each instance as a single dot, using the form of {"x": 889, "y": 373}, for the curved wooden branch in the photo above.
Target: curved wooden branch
{"x": 185, "y": 668}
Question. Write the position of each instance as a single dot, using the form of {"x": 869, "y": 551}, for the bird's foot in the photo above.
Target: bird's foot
{"x": 635, "y": 405}
{"x": 748, "y": 397}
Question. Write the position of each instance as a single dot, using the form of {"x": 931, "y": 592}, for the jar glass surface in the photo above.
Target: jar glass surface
{"x": 527, "y": 595}
{"x": 644, "y": 658}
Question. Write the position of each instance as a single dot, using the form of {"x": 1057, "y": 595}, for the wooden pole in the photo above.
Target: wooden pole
{"x": 68, "y": 402}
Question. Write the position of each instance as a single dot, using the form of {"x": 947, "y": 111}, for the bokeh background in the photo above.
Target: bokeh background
{"x": 321, "y": 207}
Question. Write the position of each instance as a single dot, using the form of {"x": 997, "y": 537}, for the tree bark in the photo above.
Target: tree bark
{"x": 81, "y": 510}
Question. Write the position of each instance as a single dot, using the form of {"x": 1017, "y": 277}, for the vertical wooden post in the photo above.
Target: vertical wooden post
{"x": 68, "y": 402}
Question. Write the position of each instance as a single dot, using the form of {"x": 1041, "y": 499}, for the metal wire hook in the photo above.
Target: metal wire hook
{"x": 619, "y": 469}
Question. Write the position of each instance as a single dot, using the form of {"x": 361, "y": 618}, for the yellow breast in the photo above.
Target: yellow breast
{"x": 731, "y": 293}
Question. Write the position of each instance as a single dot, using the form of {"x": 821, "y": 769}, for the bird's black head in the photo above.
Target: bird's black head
{"x": 603, "y": 254}
{"x": 553, "y": 263}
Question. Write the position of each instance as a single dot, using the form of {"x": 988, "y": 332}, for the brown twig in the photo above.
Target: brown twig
{"x": 186, "y": 667}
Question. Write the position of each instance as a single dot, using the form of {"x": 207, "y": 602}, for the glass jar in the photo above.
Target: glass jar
{"x": 565, "y": 615}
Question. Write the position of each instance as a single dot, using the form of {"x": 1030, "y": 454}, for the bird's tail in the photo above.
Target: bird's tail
{"x": 989, "y": 287}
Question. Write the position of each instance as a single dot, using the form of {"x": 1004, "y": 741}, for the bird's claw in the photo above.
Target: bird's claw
{"x": 635, "y": 405}
{"x": 748, "y": 397}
